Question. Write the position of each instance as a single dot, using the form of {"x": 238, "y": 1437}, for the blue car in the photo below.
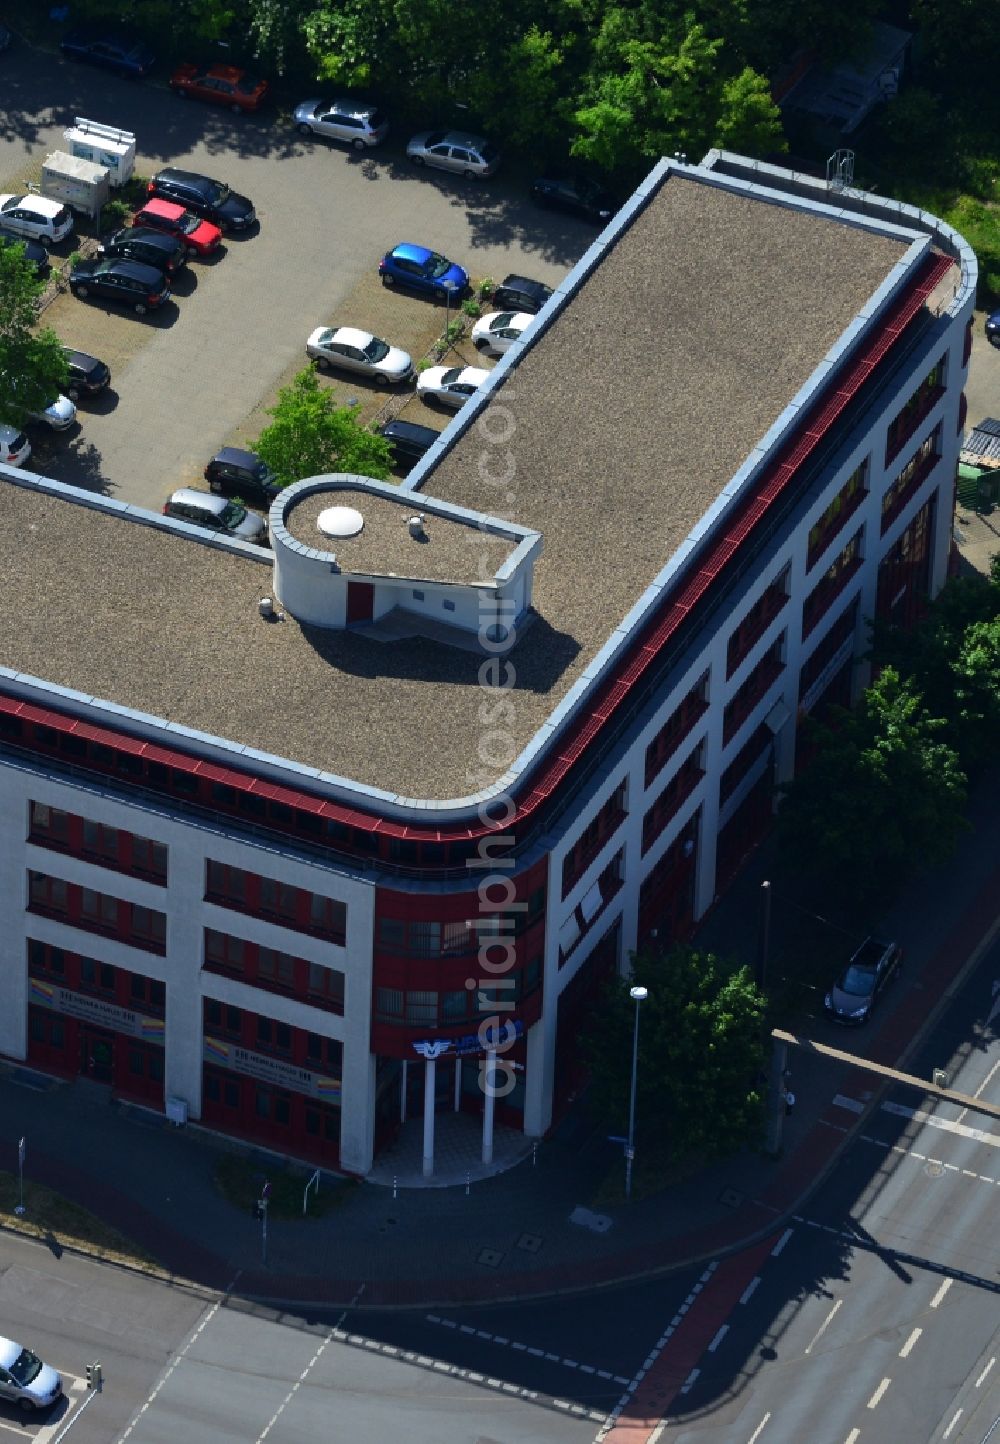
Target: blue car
{"x": 111, "y": 50}
{"x": 422, "y": 270}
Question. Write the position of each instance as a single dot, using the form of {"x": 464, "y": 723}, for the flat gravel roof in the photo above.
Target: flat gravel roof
{"x": 624, "y": 422}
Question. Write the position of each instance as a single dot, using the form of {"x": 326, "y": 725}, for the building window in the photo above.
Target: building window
{"x": 147, "y": 992}
{"x": 275, "y": 967}
{"x": 274, "y": 1036}
{"x": 755, "y": 623}
{"x": 97, "y": 977}
{"x": 226, "y": 884}
{"x": 327, "y": 986}
{"x": 223, "y": 951}
{"x": 389, "y": 1003}
{"x": 673, "y": 795}
{"x": 325, "y": 1053}
{"x": 100, "y": 842}
{"x": 98, "y": 909}
{"x": 749, "y": 754}
{"x": 926, "y": 396}
{"x": 676, "y": 728}
{"x": 291, "y": 907}
{"x": 831, "y": 583}
{"x": 594, "y": 836}
{"x": 147, "y": 926}
{"x": 49, "y": 825}
{"x": 43, "y": 958}
{"x": 911, "y": 478}
{"x": 844, "y": 505}
{"x": 422, "y": 1008}
{"x": 425, "y": 939}
{"x": 97, "y": 842}
{"x": 760, "y": 680}
{"x": 47, "y": 894}
{"x": 842, "y": 630}
{"x": 221, "y": 1018}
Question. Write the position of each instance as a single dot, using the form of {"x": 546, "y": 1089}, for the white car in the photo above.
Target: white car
{"x": 470, "y": 155}
{"x": 493, "y": 333}
{"x": 25, "y": 1380}
{"x": 14, "y": 446}
{"x": 36, "y": 217}
{"x": 359, "y": 351}
{"x": 60, "y": 415}
{"x": 360, "y": 126}
{"x": 451, "y": 385}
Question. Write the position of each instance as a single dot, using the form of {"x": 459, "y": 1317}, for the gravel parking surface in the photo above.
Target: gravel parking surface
{"x": 187, "y": 380}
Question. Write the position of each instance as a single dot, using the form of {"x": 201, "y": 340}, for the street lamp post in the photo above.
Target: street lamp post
{"x": 638, "y": 996}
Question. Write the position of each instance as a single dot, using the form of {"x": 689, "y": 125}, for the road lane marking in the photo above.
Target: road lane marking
{"x": 824, "y": 1326}
{"x": 745, "y": 1296}
{"x": 521, "y": 1348}
{"x": 940, "y": 1293}
{"x": 875, "y": 1399}
{"x": 946, "y": 1124}
{"x": 718, "y": 1338}
{"x": 905, "y": 1350}
{"x": 854, "y": 1435}
{"x": 781, "y": 1242}
{"x": 756, "y": 1433}
{"x": 947, "y": 1432}
{"x": 986, "y": 1081}
{"x": 982, "y": 1376}
{"x": 839, "y": 1101}
{"x": 688, "y": 1383}
{"x": 307, "y": 1370}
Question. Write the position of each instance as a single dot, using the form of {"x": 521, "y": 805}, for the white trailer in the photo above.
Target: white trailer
{"x": 79, "y": 184}
{"x": 104, "y": 145}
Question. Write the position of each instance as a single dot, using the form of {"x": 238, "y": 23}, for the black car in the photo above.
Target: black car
{"x": 993, "y": 328}
{"x": 114, "y": 50}
{"x": 242, "y": 473}
{"x": 34, "y": 251}
{"x": 409, "y": 441}
{"x": 206, "y": 197}
{"x": 130, "y": 283}
{"x": 577, "y": 194}
{"x": 862, "y": 982}
{"x": 153, "y": 248}
{"x": 87, "y": 375}
{"x": 517, "y": 293}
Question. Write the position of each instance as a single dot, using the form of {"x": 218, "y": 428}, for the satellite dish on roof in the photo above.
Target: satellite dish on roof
{"x": 340, "y": 521}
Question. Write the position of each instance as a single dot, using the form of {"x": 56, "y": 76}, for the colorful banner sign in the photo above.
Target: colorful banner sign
{"x": 95, "y": 1010}
{"x": 270, "y": 1070}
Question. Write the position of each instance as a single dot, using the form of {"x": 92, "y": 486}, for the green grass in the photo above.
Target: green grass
{"x": 239, "y": 1181}
{"x": 60, "y": 1223}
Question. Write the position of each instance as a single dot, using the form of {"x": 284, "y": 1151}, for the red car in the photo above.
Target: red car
{"x": 221, "y": 85}
{"x": 200, "y": 237}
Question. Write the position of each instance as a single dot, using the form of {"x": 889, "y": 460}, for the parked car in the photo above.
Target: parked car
{"x": 87, "y": 375}
{"x": 198, "y": 237}
{"x": 517, "y": 293}
{"x": 25, "y": 1380}
{"x": 579, "y": 195}
{"x": 206, "y": 197}
{"x": 144, "y": 243}
{"x": 243, "y": 473}
{"x": 34, "y": 251}
{"x": 993, "y": 328}
{"x": 349, "y": 349}
{"x": 202, "y": 508}
{"x": 35, "y": 218}
{"x": 408, "y": 440}
{"x": 220, "y": 85}
{"x": 469, "y": 155}
{"x": 112, "y": 50}
{"x": 497, "y": 330}
{"x": 360, "y": 126}
{"x": 15, "y": 447}
{"x": 450, "y": 385}
{"x": 861, "y": 984}
{"x": 59, "y": 414}
{"x": 130, "y": 283}
{"x": 422, "y": 270}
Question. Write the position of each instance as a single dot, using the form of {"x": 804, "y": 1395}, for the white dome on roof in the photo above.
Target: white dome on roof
{"x": 340, "y": 521}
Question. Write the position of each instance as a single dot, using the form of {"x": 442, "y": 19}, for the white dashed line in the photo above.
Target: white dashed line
{"x": 688, "y": 1383}
{"x": 759, "y": 1430}
{"x": 520, "y": 1348}
{"x": 876, "y": 1398}
{"x": 839, "y": 1101}
{"x": 718, "y": 1338}
{"x": 781, "y": 1242}
{"x": 982, "y": 1376}
{"x": 305, "y": 1372}
{"x": 947, "y": 1432}
{"x": 747, "y": 1293}
{"x": 823, "y": 1327}
{"x": 905, "y": 1350}
{"x": 935, "y": 1301}
{"x": 854, "y": 1435}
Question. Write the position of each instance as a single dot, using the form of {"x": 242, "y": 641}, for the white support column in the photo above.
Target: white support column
{"x": 458, "y": 1084}
{"x": 429, "y": 1070}
{"x": 490, "y": 1108}
{"x": 402, "y": 1093}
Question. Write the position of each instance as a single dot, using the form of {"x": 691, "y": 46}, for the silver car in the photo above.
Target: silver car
{"x": 217, "y": 513}
{"x": 25, "y": 1380}
{"x": 352, "y": 350}
{"x": 469, "y": 155}
{"x": 360, "y": 126}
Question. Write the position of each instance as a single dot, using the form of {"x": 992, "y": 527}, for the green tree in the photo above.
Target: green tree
{"x": 32, "y": 365}
{"x": 701, "y": 1051}
{"x": 883, "y": 797}
{"x": 976, "y": 673}
{"x": 311, "y": 434}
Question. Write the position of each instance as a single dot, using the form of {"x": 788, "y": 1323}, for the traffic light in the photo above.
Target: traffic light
{"x": 95, "y": 1376}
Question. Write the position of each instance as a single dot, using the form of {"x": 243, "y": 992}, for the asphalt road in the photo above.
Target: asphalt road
{"x": 194, "y": 370}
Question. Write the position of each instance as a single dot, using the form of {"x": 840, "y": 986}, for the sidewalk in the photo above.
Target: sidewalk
{"x": 512, "y": 1235}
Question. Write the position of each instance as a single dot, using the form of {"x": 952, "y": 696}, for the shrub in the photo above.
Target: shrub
{"x": 115, "y": 213}
{"x": 473, "y": 309}
{"x": 486, "y": 288}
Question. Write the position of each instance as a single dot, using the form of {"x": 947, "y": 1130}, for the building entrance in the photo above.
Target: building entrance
{"x": 97, "y": 1054}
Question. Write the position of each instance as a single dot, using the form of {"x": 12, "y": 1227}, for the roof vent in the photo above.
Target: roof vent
{"x": 266, "y": 608}
{"x": 340, "y": 521}
{"x": 416, "y": 525}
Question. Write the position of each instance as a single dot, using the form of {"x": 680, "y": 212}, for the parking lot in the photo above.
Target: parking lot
{"x": 200, "y": 372}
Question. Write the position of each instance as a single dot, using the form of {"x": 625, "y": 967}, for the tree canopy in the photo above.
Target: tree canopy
{"x": 701, "y": 1051}
{"x": 311, "y": 434}
{"x": 32, "y": 365}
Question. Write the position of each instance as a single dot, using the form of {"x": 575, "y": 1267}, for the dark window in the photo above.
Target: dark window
{"x": 282, "y": 1112}
{"x": 327, "y": 984}
{"x": 231, "y": 1094}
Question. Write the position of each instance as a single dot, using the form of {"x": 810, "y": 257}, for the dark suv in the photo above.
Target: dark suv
{"x": 859, "y": 987}
{"x": 153, "y": 248}
{"x": 206, "y": 197}
{"x": 409, "y": 441}
{"x": 130, "y": 283}
{"x": 517, "y": 293}
{"x": 87, "y": 375}
{"x": 243, "y": 474}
